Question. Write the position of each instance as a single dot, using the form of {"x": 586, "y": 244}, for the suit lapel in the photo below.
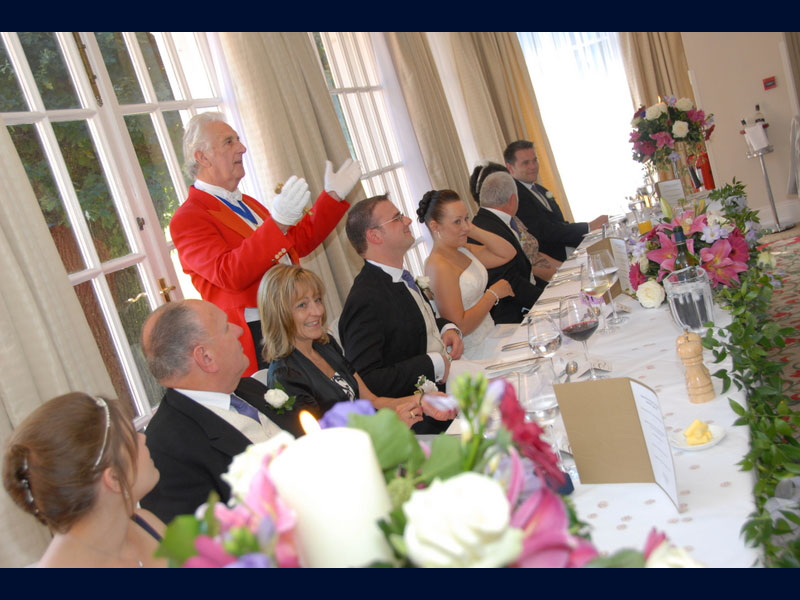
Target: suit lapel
{"x": 225, "y": 215}
{"x": 503, "y": 230}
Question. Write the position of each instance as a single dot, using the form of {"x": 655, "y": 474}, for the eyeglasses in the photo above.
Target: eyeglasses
{"x": 398, "y": 217}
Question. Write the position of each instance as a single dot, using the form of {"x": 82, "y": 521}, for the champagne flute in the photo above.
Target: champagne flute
{"x": 544, "y": 337}
{"x": 578, "y": 322}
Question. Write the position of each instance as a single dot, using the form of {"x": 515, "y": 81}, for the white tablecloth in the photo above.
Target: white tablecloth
{"x": 716, "y": 497}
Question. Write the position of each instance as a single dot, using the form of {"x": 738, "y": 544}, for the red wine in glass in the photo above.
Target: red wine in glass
{"x": 578, "y": 322}
{"x": 580, "y": 331}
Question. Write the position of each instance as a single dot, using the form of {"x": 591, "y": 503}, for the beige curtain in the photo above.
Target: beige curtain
{"x": 430, "y": 114}
{"x": 656, "y": 66}
{"x": 291, "y": 129}
{"x": 793, "y": 49}
{"x": 501, "y": 103}
{"x": 47, "y": 348}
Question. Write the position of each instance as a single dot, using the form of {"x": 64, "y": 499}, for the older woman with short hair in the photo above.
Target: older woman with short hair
{"x": 309, "y": 363}
{"x": 78, "y": 465}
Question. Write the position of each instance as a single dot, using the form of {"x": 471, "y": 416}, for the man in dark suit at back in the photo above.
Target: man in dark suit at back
{"x": 498, "y": 199}
{"x": 388, "y": 329}
{"x": 538, "y": 209}
{"x": 209, "y": 413}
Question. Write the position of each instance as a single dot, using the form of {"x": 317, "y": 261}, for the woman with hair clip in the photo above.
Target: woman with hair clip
{"x": 309, "y": 363}
{"x": 457, "y": 268}
{"x": 78, "y": 465}
{"x": 543, "y": 267}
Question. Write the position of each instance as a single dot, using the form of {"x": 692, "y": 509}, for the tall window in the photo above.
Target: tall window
{"x": 582, "y": 91}
{"x": 349, "y": 65}
{"x": 103, "y": 155}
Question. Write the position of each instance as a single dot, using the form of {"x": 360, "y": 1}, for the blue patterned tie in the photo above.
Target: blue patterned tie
{"x": 409, "y": 279}
{"x": 243, "y": 408}
{"x": 515, "y": 227}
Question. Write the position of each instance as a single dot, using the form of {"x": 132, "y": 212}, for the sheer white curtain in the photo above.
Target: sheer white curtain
{"x": 580, "y": 84}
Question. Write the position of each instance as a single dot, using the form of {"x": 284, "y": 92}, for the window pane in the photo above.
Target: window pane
{"x": 154, "y": 168}
{"x": 11, "y": 98}
{"x": 326, "y": 67}
{"x": 97, "y": 323}
{"x": 91, "y": 188}
{"x": 120, "y": 68}
{"x": 192, "y": 63}
{"x": 49, "y": 70}
{"x": 175, "y": 127}
{"x": 29, "y": 148}
{"x": 155, "y": 66}
{"x": 132, "y": 306}
{"x": 358, "y": 125}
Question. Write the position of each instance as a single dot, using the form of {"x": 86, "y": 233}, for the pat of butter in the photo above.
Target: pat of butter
{"x": 697, "y": 433}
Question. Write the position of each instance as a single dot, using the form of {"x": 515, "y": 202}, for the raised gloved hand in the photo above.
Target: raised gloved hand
{"x": 288, "y": 206}
{"x": 344, "y": 180}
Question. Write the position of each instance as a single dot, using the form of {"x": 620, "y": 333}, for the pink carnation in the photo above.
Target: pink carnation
{"x": 696, "y": 116}
{"x": 636, "y": 276}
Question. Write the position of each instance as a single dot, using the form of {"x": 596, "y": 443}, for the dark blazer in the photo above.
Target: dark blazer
{"x": 549, "y": 227}
{"x": 192, "y": 447}
{"x": 517, "y": 272}
{"x": 385, "y": 338}
{"x": 301, "y": 378}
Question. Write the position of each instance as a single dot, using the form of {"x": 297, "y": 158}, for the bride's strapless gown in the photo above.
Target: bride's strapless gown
{"x": 472, "y": 282}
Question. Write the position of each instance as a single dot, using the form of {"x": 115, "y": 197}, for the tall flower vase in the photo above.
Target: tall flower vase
{"x": 680, "y": 169}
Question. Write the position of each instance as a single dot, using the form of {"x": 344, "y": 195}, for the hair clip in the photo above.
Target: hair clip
{"x": 101, "y": 402}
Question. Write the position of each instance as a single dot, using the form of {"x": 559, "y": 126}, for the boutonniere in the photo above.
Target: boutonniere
{"x": 549, "y": 194}
{"x": 424, "y": 284}
{"x": 278, "y": 399}
{"x": 424, "y": 385}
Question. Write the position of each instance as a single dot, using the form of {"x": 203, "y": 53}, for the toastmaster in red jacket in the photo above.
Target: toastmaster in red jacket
{"x": 226, "y": 241}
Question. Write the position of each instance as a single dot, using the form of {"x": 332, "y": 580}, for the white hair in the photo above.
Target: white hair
{"x": 497, "y": 189}
{"x": 195, "y": 138}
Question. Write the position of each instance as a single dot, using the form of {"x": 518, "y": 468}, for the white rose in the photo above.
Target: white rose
{"x": 655, "y": 111}
{"x": 276, "y": 398}
{"x": 666, "y": 556}
{"x": 684, "y": 104}
{"x": 424, "y": 282}
{"x": 244, "y": 466}
{"x": 644, "y": 264}
{"x": 680, "y": 129}
{"x": 461, "y": 522}
{"x": 650, "y": 294}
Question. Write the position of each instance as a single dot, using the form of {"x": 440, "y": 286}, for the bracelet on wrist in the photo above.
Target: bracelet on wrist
{"x": 496, "y": 297}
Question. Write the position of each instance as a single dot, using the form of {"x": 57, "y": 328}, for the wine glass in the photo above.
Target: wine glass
{"x": 578, "y": 322}
{"x": 544, "y": 337}
{"x": 597, "y": 278}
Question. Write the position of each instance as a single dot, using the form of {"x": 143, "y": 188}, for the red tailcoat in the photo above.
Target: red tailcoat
{"x": 226, "y": 258}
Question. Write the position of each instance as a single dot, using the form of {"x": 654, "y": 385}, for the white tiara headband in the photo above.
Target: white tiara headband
{"x": 104, "y": 405}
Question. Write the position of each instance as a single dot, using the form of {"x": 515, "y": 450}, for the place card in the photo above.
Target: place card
{"x": 617, "y": 434}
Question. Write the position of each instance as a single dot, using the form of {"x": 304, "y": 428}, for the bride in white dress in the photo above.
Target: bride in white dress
{"x": 457, "y": 268}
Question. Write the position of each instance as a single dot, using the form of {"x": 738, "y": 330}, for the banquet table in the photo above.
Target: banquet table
{"x": 715, "y": 496}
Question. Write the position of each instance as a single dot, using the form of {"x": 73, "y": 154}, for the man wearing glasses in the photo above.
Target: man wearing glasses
{"x": 388, "y": 329}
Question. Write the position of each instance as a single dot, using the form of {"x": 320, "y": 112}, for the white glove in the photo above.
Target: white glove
{"x": 287, "y": 207}
{"x": 344, "y": 180}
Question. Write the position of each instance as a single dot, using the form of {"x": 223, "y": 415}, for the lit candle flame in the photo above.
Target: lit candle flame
{"x": 308, "y": 422}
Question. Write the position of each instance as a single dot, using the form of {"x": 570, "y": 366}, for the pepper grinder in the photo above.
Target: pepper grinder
{"x": 698, "y": 379}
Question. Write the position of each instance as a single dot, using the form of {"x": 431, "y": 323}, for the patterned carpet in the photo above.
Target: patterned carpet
{"x": 785, "y": 246}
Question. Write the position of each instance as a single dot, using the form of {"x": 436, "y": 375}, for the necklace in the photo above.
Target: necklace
{"x": 101, "y": 551}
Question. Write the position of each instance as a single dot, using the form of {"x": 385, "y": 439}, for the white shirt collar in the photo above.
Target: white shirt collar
{"x": 215, "y": 399}
{"x": 215, "y": 190}
{"x": 393, "y": 272}
{"x": 503, "y": 215}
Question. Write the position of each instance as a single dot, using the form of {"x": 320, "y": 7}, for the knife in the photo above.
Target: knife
{"x": 513, "y": 363}
{"x": 514, "y": 346}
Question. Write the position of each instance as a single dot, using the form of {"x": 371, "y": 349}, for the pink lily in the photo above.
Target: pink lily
{"x": 662, "y": 139}
{"x": 665, "y": 255}
{"x": 720, "y": 267}
{"x": 210, "y": 555}
{"x": 654, "y": 540}
{"x": 690, "y": 224}
{"x": 546, "y": 541}
{"x": 739, "y": 250}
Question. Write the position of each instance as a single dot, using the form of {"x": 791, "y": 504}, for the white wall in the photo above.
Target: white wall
{"x": 726, "y": 70}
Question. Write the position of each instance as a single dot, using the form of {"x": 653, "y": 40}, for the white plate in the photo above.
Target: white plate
{"x": 678, "y": 440}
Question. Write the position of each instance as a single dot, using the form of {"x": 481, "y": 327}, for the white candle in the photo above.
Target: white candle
{"x": 333, "y": 481}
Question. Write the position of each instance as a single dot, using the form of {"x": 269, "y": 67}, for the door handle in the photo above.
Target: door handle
{"x": 165, "y": 289}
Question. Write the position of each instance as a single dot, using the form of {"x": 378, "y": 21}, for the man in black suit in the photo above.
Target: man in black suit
{"x": 388, "y": 329}
{"x": 538, "y": 210}
{"x": 194, "y": 351}
{"x": 498, "y": 199}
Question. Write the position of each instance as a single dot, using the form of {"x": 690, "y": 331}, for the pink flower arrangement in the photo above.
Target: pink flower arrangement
{"x": 655, "y": 132}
